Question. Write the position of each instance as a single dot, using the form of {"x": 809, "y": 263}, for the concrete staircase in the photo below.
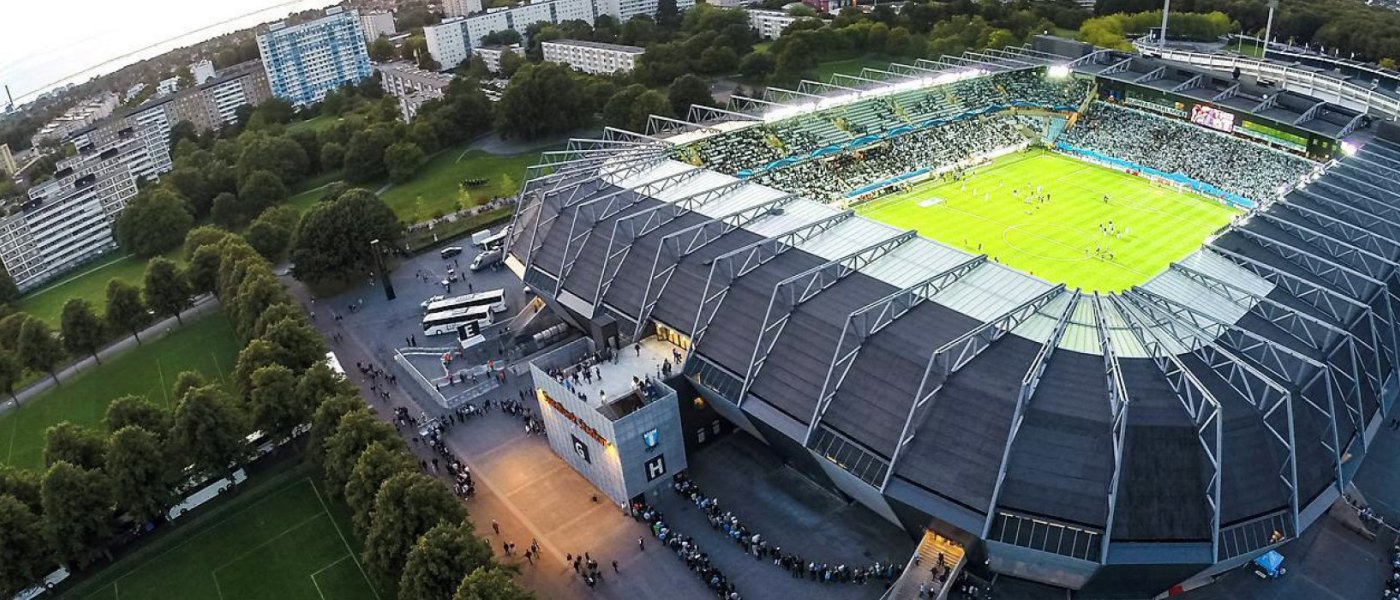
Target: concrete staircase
{"x": 932, "y": 544}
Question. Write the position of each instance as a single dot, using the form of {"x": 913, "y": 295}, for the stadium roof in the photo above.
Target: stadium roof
{"x": 1208, "y": 406}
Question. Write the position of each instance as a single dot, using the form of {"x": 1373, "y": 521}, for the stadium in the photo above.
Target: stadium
{"x": 1115, "y": 324}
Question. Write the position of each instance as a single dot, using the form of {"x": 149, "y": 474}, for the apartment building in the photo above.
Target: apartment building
{"x": 461, "y": 8}
{"x": 8, "y": 168}
{"x": 79, "y": 116}
{"x": 305, "y": 61}
{"x": 491, "y": 55}
{"x": 595, "y": 58}
{"x": 411, "y": 85}
{"x": 68, "y": 220}
{"x": 209, "y": 106}
{"x": 623, "y": 10}
{"x": 769, "y": 23}
{"x": 375, "y": 24}
{"x": 453, "y": 40}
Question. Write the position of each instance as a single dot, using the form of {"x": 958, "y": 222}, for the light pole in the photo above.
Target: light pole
{"x": 1166, "y": 8}
{"x": 383, "y": 272}
{"x": 1268, "y": 29}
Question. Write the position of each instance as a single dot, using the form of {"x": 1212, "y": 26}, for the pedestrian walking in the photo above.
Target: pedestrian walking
{"x": 615, "y": 567}
{"x": 496, "y": 527}
{"x": 641, "y": 544}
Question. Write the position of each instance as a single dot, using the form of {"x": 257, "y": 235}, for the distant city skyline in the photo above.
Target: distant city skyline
{"x": 47, "y": 45}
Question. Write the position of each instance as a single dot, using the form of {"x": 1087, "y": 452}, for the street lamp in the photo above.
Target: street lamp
{"x": 383, "y": 272}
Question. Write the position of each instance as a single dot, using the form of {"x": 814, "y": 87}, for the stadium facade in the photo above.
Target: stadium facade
{"x": 1113, "y": 444}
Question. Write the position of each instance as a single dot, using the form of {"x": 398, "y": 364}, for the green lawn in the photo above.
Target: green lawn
{"x": 88, "y": 282}
{"x": 436, "y": 190}
{"x": 280, "y": 537}
{"x": 1059, "y": 240}
{"x": 313, "y": 124}
{"x": 206, "y": 345}
{"x": 849, "y": 66}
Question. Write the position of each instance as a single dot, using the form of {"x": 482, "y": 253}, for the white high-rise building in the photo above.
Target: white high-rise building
{"x": 68, "y": 220}
{"x": 376, "y": 24}
{"x": 623, "y": 10}
{"x": 305, "y": 61}
{"x": 769, "y": 23}
{"x": 202, "y": 71}
{"x": 452, "y": 41}
{"x": 461, "y": 8}
{"x": 592, "y": 57}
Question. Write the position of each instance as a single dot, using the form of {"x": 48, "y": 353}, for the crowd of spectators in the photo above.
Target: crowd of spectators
{"x": 1226, "y": 162}
{"x": 801, "y": 135}
{"x": 831, "y": 177}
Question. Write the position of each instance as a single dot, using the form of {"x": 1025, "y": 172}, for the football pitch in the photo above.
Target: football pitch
{"x": 206, "y": 345}
{"x": 278, "y": 539}
{"x": 1060, "y": 219}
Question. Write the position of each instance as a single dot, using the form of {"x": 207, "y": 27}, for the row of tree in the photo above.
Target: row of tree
{"x": 1113, "y": 31}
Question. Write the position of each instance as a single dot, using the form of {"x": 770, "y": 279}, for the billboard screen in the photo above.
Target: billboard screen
{"x": 1212, "y": 117}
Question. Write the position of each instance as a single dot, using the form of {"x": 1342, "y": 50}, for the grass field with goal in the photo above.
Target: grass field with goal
{"x": 206, "y": 345}
{"x": 279, "y": 537}
{"x": 1100, "y": 230}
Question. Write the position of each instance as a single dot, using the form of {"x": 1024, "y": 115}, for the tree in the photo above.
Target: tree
{"x": 364, "y": 156}
{"x": 355, "y": 432}
{"x": 191, "y": 184}
{"x": 182, "y": 130}
{"x": 208, "y": 430}
{"x": 77, "y": 514}
{"x": 203, "y": 271}
{"x": 204, "y": 235}
{"x": 326, "y": 420}
{"x": 9, "y": 330}
{"x": 153, "y": 222}
{"x": 23, "y": 551}
{"x": 332, "y": 156}
{"x": 8, "y": 291}
{"x": 491, "y": 584}
{"x": 186, "y": 381}
{"x": 407, "y": 506}
{"x": 268, "y": 238}
{"x": 38, "y": 348}
{"x": 319, "y": 383}
{"x": 381, "y": 50}
{"x": 441, "y": 559}
{"x": 25, "y": 485}
{"x": 83, "y": 331}
{"x": 279, "y": 155}
{"x": 687, "y": 91}
{"x": 74, "y": 444}
{"x": 165, "y": 289}
{"x": 125, "y": 311}
{"x": 227, "y": 210}
{"x": 403, "y": 161}
{"x": 140, "y": 471}
{"x": 667, "y": 15}
{"x": 261, "y": 190}
{"x": 618, "y": 111}
{"x": 511, "y": 63}
{"x": 275, "y": 405}
{"x": 541, "y": 100}
{"x": 757, "y": 66}
{"x": 137, "y": 411}
{"x": 796, "y": 59}
{"x": 380, "y": 461}
{"x": 333, "y": 238}
{"x": 651, "y": 102}
{"x": 299, "y": 345}
{"x": 10, "y": 372}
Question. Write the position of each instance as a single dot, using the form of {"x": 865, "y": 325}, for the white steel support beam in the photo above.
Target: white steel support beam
{"x": 1029, "y": 382}
{"x": 954, "y": 355}
{"x": 868, "y": 320}
{"x": 1118, "y": 403}
{"x": 792, "y": 292}
{"x": 1200, "y": 405}
{"x": 729, "y": 267}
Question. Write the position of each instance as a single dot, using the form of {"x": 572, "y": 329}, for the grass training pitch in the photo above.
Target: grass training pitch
{"x": 89, "y": 282}
{"x": 278, "y": 538}
{"x": 1076, "y": 237}
{"x": 206, "y": 345}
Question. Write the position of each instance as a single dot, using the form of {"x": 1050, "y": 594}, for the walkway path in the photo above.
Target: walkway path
{"x": 203, "y": 305}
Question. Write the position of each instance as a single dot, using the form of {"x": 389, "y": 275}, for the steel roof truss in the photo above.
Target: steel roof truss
{"x": 792, "y": 292}
{"x": 1029, "y": 382}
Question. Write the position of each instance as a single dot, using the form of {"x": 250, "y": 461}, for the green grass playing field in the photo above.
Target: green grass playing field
{"x": 278, "y": 538}
{"x": 206, "y": 345}
{"x": 1065, "y": 239}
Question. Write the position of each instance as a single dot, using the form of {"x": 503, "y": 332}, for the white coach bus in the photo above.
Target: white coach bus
{"x": 496, "y": 299}
{"x": 449, "y": 321}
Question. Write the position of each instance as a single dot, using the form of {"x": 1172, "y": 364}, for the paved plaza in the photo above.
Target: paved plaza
{"x": 531, "y": 494}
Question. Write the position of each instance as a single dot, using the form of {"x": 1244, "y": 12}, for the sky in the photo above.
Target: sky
{"x": 46, "y": 43}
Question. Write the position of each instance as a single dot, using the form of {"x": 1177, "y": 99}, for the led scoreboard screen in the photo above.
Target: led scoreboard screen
{"x": 1212, "y": 117}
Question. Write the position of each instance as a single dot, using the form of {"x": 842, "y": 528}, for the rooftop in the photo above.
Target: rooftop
{"x": 598, "y": 45}
{"x": 617, "y": 384}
